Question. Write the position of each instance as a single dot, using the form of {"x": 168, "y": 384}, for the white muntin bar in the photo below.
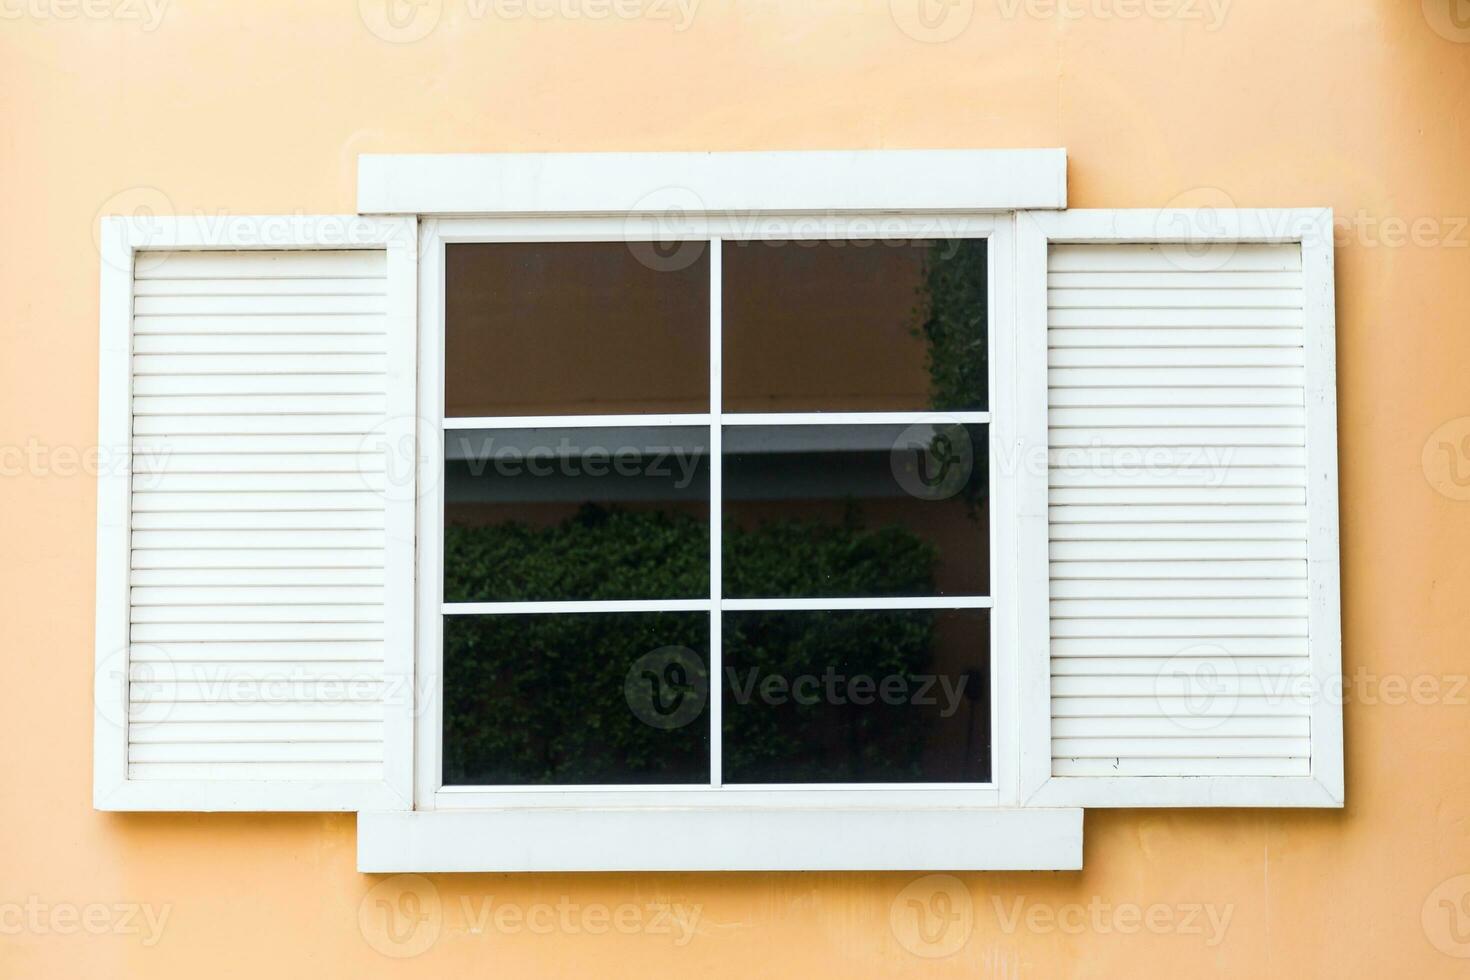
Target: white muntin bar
{"x": 716, "y": 493}
{"x": 860, "y": 603}
{"x": 572, "y": 421}
{"x": 855, "y": 418}
{"x": 574, "y": 606}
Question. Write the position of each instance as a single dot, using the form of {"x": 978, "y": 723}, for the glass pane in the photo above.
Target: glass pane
{"x": 594, "y": 513}
{"x": 856, "y": 510}
{"x": 857, "y": 696}
{"x": 576, "y": 699}
{"x": 848, "y": 326}
{"x": 575, "y": 328}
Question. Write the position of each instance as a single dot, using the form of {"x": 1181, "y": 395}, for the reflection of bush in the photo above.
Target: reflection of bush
{"x": 539, "y": 699}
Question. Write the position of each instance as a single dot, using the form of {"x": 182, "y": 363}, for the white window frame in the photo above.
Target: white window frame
{"x": 1312, "y": 228}
{"x": 999, "y": 419}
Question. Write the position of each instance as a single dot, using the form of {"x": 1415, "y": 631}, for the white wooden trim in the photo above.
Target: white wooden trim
{"x": 399, "y": 560}
{"x": 240, "y": 232}
{"x": 122, "y": 240}
{"x": 824, "y": 180}
{"x": 858, "y": 226}
{"x": 1313, "y": 229}
{"x": 429, "y": 656}
{"x": 1323, "y": 570}
{"x": 1001, "y": 419}
{"x": 252, "y": 796}
{"x": 114, "y": 437}
{"x": 720, "y": 839}
{"x": 1033, "y": 631}
{"x": 1184, "y": 791}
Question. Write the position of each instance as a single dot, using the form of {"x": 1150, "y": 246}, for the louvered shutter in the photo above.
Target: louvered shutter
{"x": 1192, "y": 643}
{"x": 255, "y": 533}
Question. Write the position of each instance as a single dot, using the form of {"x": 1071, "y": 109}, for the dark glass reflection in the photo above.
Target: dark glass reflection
{"x": 591, "y": 513}
{"x": 856, "y": 510}
{"x": 856, "y": 696}
{"x": 575, "y": 328}
{"x": 576, "y": 699}
{"x": 855, "y": 326}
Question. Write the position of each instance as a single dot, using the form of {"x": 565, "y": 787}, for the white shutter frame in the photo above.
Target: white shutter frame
{"x": 1313, "y": 230}
{"x": 122, "y": 241}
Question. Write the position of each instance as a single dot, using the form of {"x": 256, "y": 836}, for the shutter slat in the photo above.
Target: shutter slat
{"x": 1174, "y": 279}
{"x": 264, "y": 264}
{"x": 205, "y": 732}
{"x": 1177, "y": 513}
{"x": 1288, "y": 587}
{"x": 224, "y": 595}
{"x": 1198, "y": 714}
{"x": 263, "y": 286}
{"x": 1215, "y": 297}
{"x": 1215, "y": 745}
{"x": 300, "y": 612}
{"x": 235, "y": 344}
{"x": 283, "y": 324}
{"x": 195, "y": 383}
{"x": 1125, "y": 513}
{"x": 1174, "y": 317}
{"x": 1190, "y": 397}
{"x": 233, "y": 406}
{"x": 1218, "y": 766}
{"x": 260, "y": 651}
{"x": 1273, "y": 726}
{"x": 1218, "y": 261}
{"x": 227, "y": 305}
{"x": 1063, "y": 338}
{"x": 366, "y": 773}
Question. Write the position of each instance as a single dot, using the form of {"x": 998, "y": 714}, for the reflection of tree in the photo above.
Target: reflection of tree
{"x": 953, "y": 314}
{"x": 953, "y": 310}
{"x": 539, "y": 699}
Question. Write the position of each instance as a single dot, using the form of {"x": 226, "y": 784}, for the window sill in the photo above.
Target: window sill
{"x": 520, "y": 839}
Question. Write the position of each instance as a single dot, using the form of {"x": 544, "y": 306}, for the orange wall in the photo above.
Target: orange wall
{"x": 263, "y": 107}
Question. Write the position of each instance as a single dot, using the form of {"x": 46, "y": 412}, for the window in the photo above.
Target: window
{"x": 716, "y": 512}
